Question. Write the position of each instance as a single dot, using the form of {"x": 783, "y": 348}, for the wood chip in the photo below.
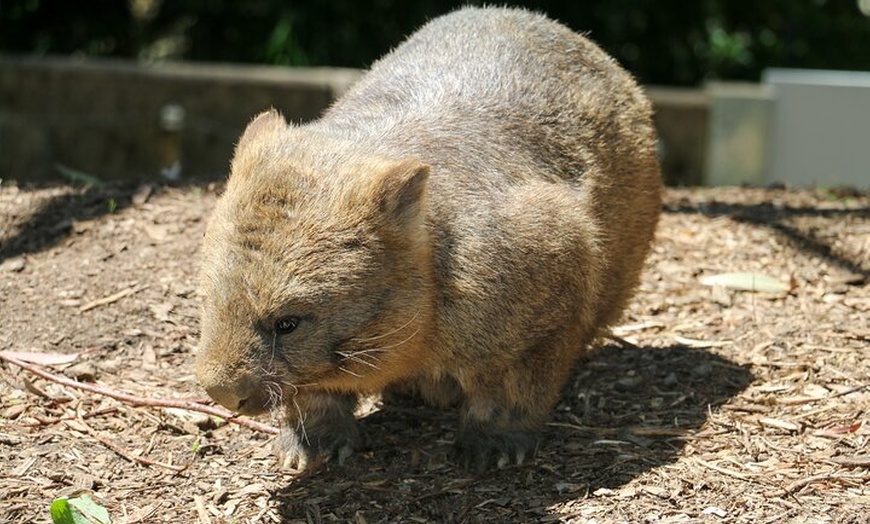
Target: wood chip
{"x": 13, "y": 265}
{"x": 780, "y": 424}
{"x": 701, "y": 344}
{"x": 201, "y": 511}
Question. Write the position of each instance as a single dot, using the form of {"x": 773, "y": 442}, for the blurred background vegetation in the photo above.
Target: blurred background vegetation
{"x": 671, "y": 42}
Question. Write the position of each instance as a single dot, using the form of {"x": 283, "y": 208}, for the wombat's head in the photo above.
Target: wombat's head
{"x": 313, "y": 269}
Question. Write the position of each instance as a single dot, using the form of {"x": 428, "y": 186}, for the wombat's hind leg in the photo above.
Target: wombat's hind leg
{"x": 318, "y": 427}
{"x": 494, "y": 436}
{"x": 506, "y": 406}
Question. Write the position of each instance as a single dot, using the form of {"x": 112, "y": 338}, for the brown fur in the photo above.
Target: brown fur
{"x": 465, "y": 221}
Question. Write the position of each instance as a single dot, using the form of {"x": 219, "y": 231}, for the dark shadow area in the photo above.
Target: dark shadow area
{"x": 52, "y": 220}
{"x": 625, "y": 411}
{"x": 777, "y": 217}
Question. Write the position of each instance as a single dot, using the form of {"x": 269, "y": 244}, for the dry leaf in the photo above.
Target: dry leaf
{"x": 841, "y": 430}
{"x": 747, "y": 282}
{"x": 43, "y": 359}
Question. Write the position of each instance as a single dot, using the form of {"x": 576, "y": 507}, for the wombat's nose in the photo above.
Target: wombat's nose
{"x": 245, "y": 395}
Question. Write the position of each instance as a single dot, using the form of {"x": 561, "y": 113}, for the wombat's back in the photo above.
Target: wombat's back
{"x": 490, "y": 97}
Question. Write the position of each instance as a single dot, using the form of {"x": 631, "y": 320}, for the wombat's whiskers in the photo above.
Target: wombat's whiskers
{"x": 295, "y": 387}
{"x": 349, "y": 372}
{"x": 349, "y": 355}
{"x": 369, "y": 352}
{"x": 301, "y": 424}
{"x": 275, "y": 394}
{"x": 391, "y": 346}
{"x": 389, "y": 333}
{"x": 361, "y": 355}
{"x": 274, "y": 348}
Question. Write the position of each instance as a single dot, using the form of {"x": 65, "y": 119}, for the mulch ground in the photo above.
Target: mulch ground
{"x": 710, "y": 405}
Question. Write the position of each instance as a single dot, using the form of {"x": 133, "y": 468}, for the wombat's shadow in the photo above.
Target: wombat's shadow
{"x": 625, "y": 411}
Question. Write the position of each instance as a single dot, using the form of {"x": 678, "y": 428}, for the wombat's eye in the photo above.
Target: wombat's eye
{"x": 286, "y": 325}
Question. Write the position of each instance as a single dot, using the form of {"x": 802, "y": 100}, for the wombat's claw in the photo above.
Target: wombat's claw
{"x": 290, "y": 452}
{"x": 294, "y": 454}
{"x": 480, "y": 452}
{"x": 292, "y": 461}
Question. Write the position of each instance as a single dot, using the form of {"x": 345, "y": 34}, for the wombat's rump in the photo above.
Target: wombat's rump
{"x": 464, "y": 221}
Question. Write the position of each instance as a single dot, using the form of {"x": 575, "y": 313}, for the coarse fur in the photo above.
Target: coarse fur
{"x": 463, "y": 222}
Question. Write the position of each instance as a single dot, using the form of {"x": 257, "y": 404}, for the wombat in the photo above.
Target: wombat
{"x": 464, "y": 222}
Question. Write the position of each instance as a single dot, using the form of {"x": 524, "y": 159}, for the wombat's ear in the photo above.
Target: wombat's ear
{"x": 399, "y": 193}
{"x": 265, "y": 123}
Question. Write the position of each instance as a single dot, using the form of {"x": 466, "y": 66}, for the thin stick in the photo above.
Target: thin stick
{"x": 619, "y": 340}
{"x": 724, "y": 471}
{"x": 112, "y": 298}
{"x": 50, "y": 421}
{"x": 188, "y": 405}
{"x": 120, "y": 450}
{"x": 858, "y": 461}
{"x": 804, "y": 482}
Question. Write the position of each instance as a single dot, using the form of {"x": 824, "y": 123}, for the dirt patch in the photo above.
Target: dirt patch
{"x": 718, "y": 406}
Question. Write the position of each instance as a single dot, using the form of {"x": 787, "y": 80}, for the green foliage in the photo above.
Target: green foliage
{"x": 80, "y": 509}
{"x": 664, "y": 41}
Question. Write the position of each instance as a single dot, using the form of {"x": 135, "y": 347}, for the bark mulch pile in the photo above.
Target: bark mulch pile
{"x": 710, "y": 404}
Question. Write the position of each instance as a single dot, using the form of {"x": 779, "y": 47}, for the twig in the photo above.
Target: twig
{"x": 41, "y": 421}
{"x": 619, "y": 340}
{"x": 802, "y": 483}
{"x": 857, "y": 461}
{"x": 112, "y": 298}
{"x": 188, "y": 405}
{"x": 848, "y": 391}
{"x": 810, "y": 400}
{"x": 724, "y": 471}
{"x": 120, "y": 450}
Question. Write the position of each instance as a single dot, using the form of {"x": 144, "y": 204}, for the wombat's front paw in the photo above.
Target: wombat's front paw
{"x": 322, "y": 428}
{"x": 298, "y": 450}
{"x": 478, "y": 449}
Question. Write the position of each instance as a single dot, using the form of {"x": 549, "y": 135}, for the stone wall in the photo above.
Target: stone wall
{"x": 122, "y": 120}
{"x": 682, "y": 118}
{"x": 116, "y": 120}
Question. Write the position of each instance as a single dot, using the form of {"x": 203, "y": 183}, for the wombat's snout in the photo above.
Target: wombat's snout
{"x": 240, "y": 392}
